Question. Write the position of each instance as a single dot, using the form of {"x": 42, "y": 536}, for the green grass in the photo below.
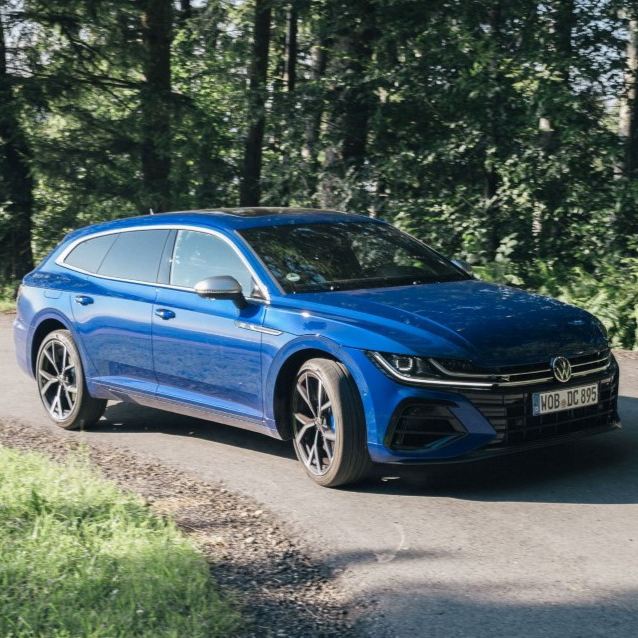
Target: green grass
{"x": 79, "y": 557}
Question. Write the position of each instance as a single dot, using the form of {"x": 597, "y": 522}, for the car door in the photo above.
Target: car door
{"x": 207, "y": 352}
{"x": 113, "y": 313}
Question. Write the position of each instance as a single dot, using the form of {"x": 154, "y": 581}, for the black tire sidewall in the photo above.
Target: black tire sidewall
{"x": 351, "y": 457}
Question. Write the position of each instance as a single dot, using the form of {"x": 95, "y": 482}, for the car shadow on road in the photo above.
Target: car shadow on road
{"x": 437, "y": 609}
{"x": 602, "y": 469}
{"x": 125, "y": 417}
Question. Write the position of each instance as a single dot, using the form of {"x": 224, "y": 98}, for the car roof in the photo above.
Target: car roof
{"x": 234, "y": 218}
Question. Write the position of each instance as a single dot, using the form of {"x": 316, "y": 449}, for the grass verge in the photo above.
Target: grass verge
{"x": 79, "y": 557}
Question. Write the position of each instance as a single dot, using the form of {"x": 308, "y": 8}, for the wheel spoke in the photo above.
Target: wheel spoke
{"x": 324, "y": 407}
{"x": 319, "y": 395}
{"x": 48, "y": 384}
{"x": 299, "y": 436}
{"x": 303, "y": 419}
{"x": 67, "y": 394}
{"x": 316, "y": 448}
{"x": 303, "y": 392}
{"x": 56, "y": 404}
{"x": 63, "y": 363}
{"x": 72, "y": 389}
{"x": 329, "y": 435}
{"x": 328, "y": 448}
{"x": 51, "y": 357}
{"x": 49, "y": 378}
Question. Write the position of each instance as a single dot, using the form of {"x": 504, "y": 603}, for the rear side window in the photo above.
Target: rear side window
{"x": 89, "y": 254}
{"x": 135, "y": 255}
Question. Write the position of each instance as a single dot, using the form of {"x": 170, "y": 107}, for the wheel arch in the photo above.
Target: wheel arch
{"x": 285, "y": 367}
{"x": 45, "y": 326}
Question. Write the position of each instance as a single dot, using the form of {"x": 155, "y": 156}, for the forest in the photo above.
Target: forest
{"x": 504, "y": 132}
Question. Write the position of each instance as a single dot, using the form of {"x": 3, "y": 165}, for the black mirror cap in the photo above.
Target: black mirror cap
{"x": 223, "y": 287}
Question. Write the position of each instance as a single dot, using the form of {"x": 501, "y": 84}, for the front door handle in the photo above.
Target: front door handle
{"x": 83, "y": 300}
{"x": 164, "y": 313}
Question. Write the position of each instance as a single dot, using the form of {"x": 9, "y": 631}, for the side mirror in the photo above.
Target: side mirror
{"x": 223, "y": 287}
{"x": 463, "y": 265}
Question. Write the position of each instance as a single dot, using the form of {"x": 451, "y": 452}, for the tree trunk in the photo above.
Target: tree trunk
{"x": 353, "y": 102}
{"x": 250, "y": 190}
{"x": 157, "y": 28}
{"x": 291, "y": 47}
{"x": 314, "y": 109}
{"x": 186, "y": 10}
{"x": 628, "y": 116}
{"x": 357, "y": 100}
{"x": 564, "y": 25}
{"x": 15, "y": 178}
{"x": 493, "y": 141}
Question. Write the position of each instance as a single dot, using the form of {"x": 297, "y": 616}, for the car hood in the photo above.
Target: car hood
{"x": 495, "y": 324}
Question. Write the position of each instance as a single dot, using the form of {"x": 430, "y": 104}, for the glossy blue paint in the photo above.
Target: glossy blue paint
{"x": 159, "y": 345}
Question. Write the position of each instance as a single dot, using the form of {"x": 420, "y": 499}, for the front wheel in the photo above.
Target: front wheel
{"x": 61, "y": 383}
{"x": 329, "y": 433}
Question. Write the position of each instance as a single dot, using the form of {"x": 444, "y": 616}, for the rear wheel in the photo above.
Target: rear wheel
{"x": 61, "y": 383}
{"x": 329, "y": 433}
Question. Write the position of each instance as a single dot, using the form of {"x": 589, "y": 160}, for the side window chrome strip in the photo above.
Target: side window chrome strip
{"x": 60, "y": 261}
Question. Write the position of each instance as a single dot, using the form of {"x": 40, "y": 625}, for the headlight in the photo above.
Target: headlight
{"x": 424, "y": 371}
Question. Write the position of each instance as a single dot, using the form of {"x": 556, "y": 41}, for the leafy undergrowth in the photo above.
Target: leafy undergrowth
{"x": 79, "y": 557}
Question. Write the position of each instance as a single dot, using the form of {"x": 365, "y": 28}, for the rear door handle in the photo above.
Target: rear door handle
{"x": 83, "y": 300}
{"x": 164, "y": 313}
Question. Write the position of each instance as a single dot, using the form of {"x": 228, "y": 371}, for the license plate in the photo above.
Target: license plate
{"x": 558, "y": 400}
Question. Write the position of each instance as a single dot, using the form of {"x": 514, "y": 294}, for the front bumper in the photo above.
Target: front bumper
{"x": 462, "y": 425}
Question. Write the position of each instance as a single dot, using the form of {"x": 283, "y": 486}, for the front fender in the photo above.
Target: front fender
{"x": 279, "y": 349}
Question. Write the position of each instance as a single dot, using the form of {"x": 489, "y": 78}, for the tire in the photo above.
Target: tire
{"x": 327, "y": 416}
{"x": 60, "y": 378}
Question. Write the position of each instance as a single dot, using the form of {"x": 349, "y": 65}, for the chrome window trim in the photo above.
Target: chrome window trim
{"x": 112, "y": 231}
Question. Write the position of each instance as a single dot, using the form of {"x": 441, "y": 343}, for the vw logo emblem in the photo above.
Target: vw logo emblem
{"x": 561, "y": 368}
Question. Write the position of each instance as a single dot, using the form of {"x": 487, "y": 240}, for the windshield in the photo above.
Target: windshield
{"x": 347, "y": 255}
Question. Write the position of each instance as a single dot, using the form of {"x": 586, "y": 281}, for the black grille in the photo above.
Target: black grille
{"x": 510, "y": 414}
{"x": 417, "y": 425}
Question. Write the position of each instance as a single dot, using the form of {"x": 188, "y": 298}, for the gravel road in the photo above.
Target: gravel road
{"x": 544, "y": 544}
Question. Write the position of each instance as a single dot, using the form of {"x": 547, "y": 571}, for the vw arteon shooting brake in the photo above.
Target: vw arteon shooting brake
{"x": 356, "y": 341}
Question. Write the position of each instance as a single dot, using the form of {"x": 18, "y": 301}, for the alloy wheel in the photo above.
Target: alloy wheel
{"x": 57, "y": 380}
{"x": 313, "y": 423}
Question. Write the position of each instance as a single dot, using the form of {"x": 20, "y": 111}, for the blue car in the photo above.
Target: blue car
{"x": 337, "y": 331}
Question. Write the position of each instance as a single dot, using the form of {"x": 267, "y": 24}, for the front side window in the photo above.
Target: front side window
{"x": 135, "y": 255}
{"x": 347, "y": 255}
{"x": 199, "y": 255}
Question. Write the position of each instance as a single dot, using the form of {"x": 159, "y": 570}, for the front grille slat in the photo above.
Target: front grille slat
{"x": 511, "y": 416}
{"x": 521, "y": 375}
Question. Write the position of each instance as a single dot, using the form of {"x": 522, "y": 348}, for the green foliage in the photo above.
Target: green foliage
{"x": 488, "y": 129}
{"x": 80, "y": 558}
